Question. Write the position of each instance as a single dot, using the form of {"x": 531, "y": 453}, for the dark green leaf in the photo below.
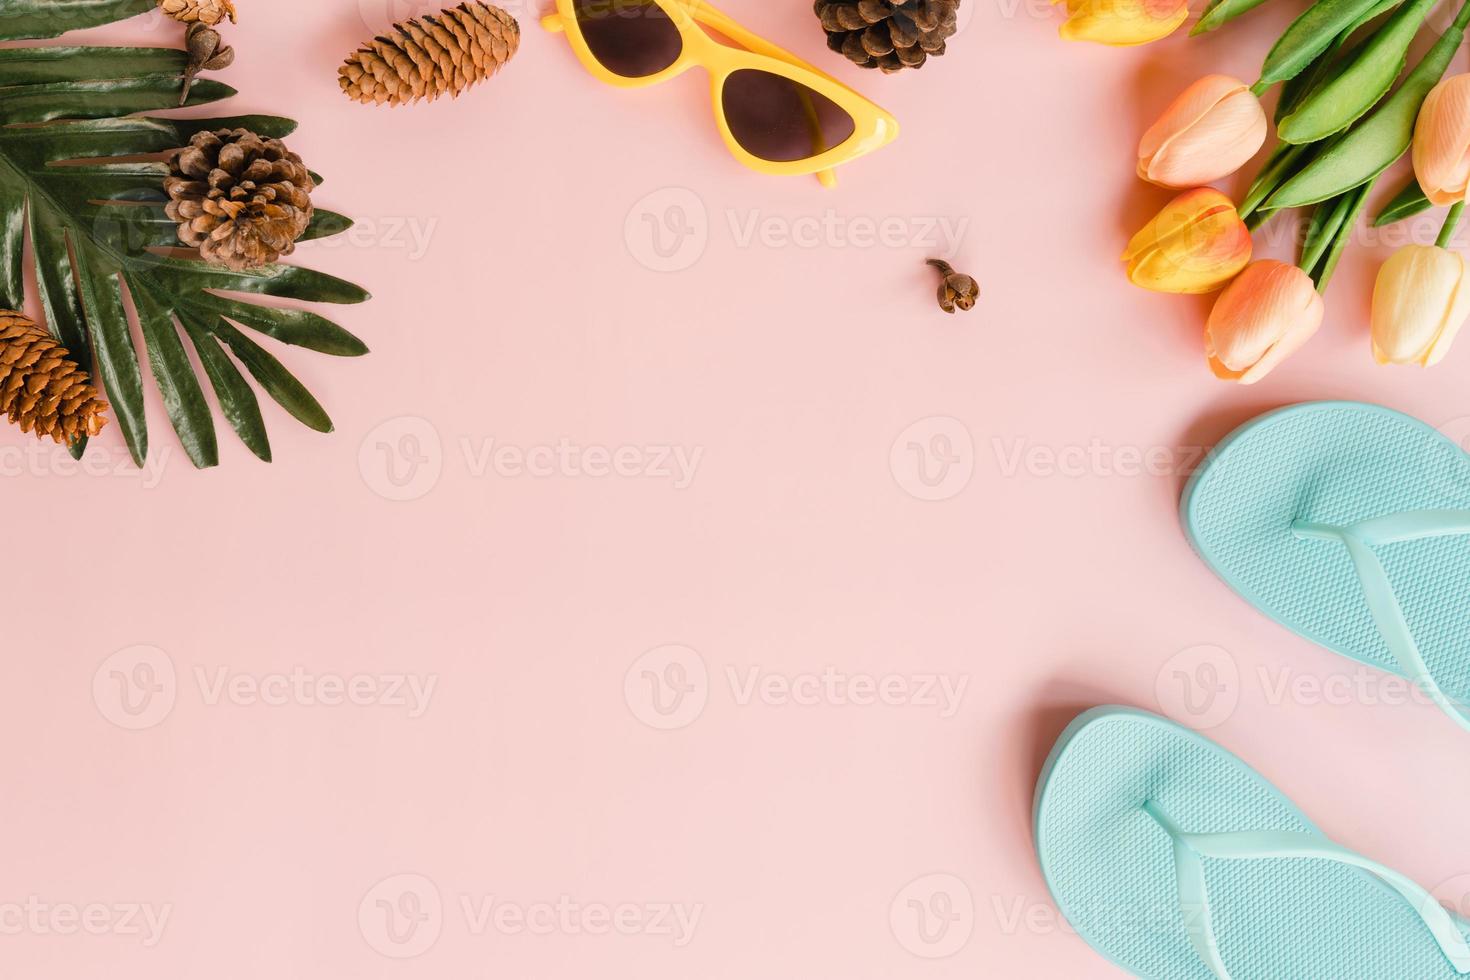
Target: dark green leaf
{"x": 289, "y": 393}
{"x": 1409, "y": 202}
{"x": 183, "y": 399}
{"x": 237, "y": 400}
{"x": 117, "y": 359}
{"x": 20, "y": 19}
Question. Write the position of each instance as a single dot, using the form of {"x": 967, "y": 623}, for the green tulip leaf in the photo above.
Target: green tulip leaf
{"x": 99, "y": 238}
{"x": 1347, "y": 97}
{"x": 1296, "y": 90}
{"x": 1221, "y": 13}
{"x": 1375, "y": 144}
{"x": 1309, "y": 36}
{"x": 1408, "y": 202}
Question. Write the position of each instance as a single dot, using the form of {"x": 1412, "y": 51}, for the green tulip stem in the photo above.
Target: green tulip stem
{"x": 1451, "y": 225}
{"x": 1261, "y": 88}
{"x": 1358, "y": 201}
{"x": 1279, "y": 167}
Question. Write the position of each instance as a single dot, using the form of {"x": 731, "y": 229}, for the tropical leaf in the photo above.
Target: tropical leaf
{"x": 72, "y": 187}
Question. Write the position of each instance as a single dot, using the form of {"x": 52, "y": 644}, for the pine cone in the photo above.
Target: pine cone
{"x": 888, "y": 34}
{"x": 426, "y": 57}
{"x": 209, "y": 12}
{"x": 243, "y": 201}
{"x": 41, "y": 389}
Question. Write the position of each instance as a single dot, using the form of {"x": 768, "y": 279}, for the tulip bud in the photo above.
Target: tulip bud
{"x": 1442, "y": 142}
{"x": 1209, "y": 132}
{"x": 1195, "y": 245}
{"x": 1123, "y": 22}
{"x": 1260, "y": 320}
{"x": 1421, "y": 300}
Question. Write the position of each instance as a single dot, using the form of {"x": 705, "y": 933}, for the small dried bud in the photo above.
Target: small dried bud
{"x": 207, "y": 52}
{"x": 957, "y": 291}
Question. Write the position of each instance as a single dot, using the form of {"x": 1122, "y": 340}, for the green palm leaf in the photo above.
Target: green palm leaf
{"x": 99, "y": 236}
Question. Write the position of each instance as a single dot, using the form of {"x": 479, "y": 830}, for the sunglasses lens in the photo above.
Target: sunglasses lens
{"x": 631, "y": 38}
{"x": 777, "y": 119}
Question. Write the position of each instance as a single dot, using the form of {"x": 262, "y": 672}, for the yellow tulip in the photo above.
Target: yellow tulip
{"x": 1420, "y": 302}
{"x": 1123, "y": 22}
{"x": 1197, "y": 244}
{"x": 1263, "y": 318}
{"x": 1212, "y": 130}
{"x": 1442, "y": 142}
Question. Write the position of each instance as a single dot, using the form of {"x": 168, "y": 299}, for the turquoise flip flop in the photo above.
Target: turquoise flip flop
{"x": 1177, "y": 861}
{"x": 1349, "y": 524}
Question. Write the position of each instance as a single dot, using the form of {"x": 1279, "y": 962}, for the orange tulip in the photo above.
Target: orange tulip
{"x": 1263, "y": 318}
{"x": 1209, "y": 132}
{"x": 1123, "y": 22}
{"x": 1195, "y": 245}
{"x": 1442, "y": 142}
{"x": 1420, "y": 302}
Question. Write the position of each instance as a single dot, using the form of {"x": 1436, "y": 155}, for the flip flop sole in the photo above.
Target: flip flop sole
{"x": 1110, "y": 867}
{"x": 1339, "y": 463}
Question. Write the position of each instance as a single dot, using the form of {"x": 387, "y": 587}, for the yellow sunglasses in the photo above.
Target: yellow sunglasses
{"x": 778, "y": 114}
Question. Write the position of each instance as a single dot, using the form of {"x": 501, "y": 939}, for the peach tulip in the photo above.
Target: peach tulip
{"x": 1195, "y": 245}
{"x": 1420, "y": 302}
{"x": 1442, "y": 142}
{"x": 1123, "y": 22}
{"x": 1263, "y": 318}
{"x": 1209, "y": 132}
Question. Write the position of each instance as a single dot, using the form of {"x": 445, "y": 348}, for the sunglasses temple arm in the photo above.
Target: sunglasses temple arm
{"x": 552, "y": 22}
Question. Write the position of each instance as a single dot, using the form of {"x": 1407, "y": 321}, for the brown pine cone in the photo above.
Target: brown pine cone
{"x": 209, "y": 12}
{"x": 426, "y": 57}
{"x": 41, "y": 388}
{"x": 243, "y": 201}
{"x": 888, "y": 34}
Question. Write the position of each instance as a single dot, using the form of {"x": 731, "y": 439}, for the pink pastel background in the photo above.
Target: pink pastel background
{"x": 522, "y": 301}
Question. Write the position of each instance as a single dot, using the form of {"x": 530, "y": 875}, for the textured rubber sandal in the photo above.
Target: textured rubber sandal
{"x": 1177, "y": 861}
{"x": 1349, "y": 524}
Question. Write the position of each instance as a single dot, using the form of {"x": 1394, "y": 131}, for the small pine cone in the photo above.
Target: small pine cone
{"x": 209, "y": 12}
{"x": 888, "y": 34}
{"x": 41, "y": 388}
{"x": 426, "y": 57}
{"x": 243, "y": 201}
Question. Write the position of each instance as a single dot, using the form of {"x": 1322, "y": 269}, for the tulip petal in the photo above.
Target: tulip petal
{"x": 1419, "y": 303}
{"x": 1261, "y": 319}
{"x": 1209, "y": 132}
{"x": 1441, "y": 151}
{"x": 1195, "y": 245}
{"x": 1124, "y": 22}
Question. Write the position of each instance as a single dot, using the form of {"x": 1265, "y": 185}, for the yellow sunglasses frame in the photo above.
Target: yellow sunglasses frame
{"x": 873, "y": 126}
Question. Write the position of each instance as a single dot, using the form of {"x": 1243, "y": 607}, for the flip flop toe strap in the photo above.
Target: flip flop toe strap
{"x": 1360, "y": 541}
{"x": 1191, "y": 849}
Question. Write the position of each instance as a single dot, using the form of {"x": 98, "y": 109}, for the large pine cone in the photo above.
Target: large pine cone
{"x": 888, "y": 34}
{"x": 41, "y": 388}
{"x": 209, "y": 12}
{"x": 243, "y": 201}
{"x": 427, "y": 57}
